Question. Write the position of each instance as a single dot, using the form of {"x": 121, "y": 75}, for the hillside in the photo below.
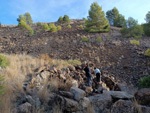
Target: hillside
{"x": 114, "y": 55}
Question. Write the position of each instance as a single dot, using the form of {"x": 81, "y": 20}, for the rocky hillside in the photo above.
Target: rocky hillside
{"x": 114, "y": 55}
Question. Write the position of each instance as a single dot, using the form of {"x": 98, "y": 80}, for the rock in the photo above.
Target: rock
{"x": 45, "y": 74}
{"x": 75, "y": 83}
{"x": 102, "y": 87}
{"x": 71, "y": 68}
{"x": 24, "y": 108}
{"x": 123, "y": 106}
{"x": 30, "y": 100}
{"x": 53, "y": 70}
{"x": 109, "y": 82}
{"x": 66, "y": 94}
{"x": 143, "y": 96}
{"x": 62, "y": 76}
{"x": 88, "y": 90}
{"x": 66, "y": 104}
{"x": 78, "y": 93}
{"x": 37, "y": 103}
{"x": 119, "y": 94}
{"x": 122, "y": 87}
{"x": 143, "y": 109}
{"x": 101, "y": 102}
{"x": 85, "y": 102}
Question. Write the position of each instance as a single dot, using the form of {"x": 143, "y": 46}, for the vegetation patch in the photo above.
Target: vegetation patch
{"x": 99, "y": 39}
{"x": 74, "y": 62}
{"x": 52, "y": 28}
{"x": 109, "y": 37}
{"x": 2, "y": 90}
{"x": 39, "y": 24}
{"x": 59, "y": 28}
{"x": 85, "y": 39}
{"x": 144, "y": 82}
{"x": 135, "y": 42}
{"x": 3, "y": 61}
{"x": 69, "y": 26}
{"x": 45, "y": 27}
{"x": 147, "y": 53}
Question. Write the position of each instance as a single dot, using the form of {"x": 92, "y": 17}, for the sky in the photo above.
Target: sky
{"x": 51, "y": 10}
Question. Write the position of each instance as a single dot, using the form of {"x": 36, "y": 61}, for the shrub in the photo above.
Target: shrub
{"x": 39, "y": 24}
{"x": 3, "y": 61}
{"x": 135, "y": 42}
{"x": 146, "y": 29}
{"x": 99, "y": 39}
{"x": 66, "y": 19}
{"x": 60, "y": 19}
{"x": 59, "y": 28}
{"x": 147, "y": 53}
{"x": 45, "y": 27}
{"x": 81, "y": 26}
{"x": 85, "y": 39}
{"x": 31, "y": 32}
{"x": 109, "y": 37}
{"x": 74, "y": 62}
{"x": 52, "y": 27}
{"x": 144, "y": 82}
{"x": 69, "y": 26}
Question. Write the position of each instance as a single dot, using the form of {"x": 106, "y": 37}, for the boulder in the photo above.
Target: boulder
{"x": 66, "y": 94}
{"x": 143, "y": 96}
{"x": 24, "y": 108}
{"x": 45, "y": 74}
{"x": 119, "y": 94}
{"x": 109, "y": 82}
{"x": 101, "y": 102}
{"x": 143, "y": 109}
{"x": 123, "y": 106}
{"x": 88, "y": 90}
{"x": 78, "y": 93}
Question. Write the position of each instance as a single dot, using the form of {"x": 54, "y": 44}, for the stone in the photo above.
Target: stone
{"x": 143, "y": 109}
{"x": 24, "y": 108}
{"x": 78, "y": 93}
{"x": 88, "y": 90}
{"x": 30, "y": 100}
{"x": 123, "y": 106}
{"x": 75, "y": 83}
{"x": 37, "y": 103}
{"x": 85, "y": 102}
{"x": 119, "y": 94}
{"x": 45, "y": 74}
{"x": 66, "y": 94}
{"x": 101, "y": 102}
{"x": 143, "y": 96}
{"x": 71, "y": 68}
{"x": 109, "y": 82}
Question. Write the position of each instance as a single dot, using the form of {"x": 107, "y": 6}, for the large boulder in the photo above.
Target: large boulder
{"x": 143, "y": 96}
{"x": 101, "y": 102}
{"x": 78, "y": 93}
{"x": 123, "y": 106}
{"x": 24, "y": 108}
{"x": 119, "y": 94}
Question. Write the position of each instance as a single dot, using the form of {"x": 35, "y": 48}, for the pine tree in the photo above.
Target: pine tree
{"x": 119, "y": 21}
{"x": 60, "y": 19}
{"x": 66, "y": 19}
{"x": 111, "y": 15}
{"x": 96, "y": 21}
{"x": 28, "y": 18}
{"x": 148, "y": 17}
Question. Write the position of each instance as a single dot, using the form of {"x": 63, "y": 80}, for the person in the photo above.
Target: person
{"x": 88, "y": 74}
{"x": 98, "y": 75}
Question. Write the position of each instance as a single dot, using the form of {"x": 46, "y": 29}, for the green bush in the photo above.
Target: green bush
{"x": 45, "y": 27}
{"x": 59, "y": 28}
{"x": 2, "y": 90}
{"x": 109, "y": 37}
{"x": 146, "y": 29}
{"x": 60, "y": 19}
{"x": 39, "y": 24}
{"x": 85, "y": 39}
{"x": 74, "y": 62}
{"x": 135, "y": 42}
{"x": 147, "y": 53}
{"x": 52, "y": 27}
{"x": 144, "y": 82}
{"x": 66, "y": 19}
{"x": 81, "y": 26}
{"x": 69, "y": 26}
{"x": 99, "y": 39}
{"x": 3, "y": 61}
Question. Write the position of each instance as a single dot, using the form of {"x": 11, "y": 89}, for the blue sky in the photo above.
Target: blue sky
{"x": 50, "y": 10}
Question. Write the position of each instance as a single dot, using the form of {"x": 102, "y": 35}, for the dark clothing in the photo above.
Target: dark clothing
{"x": 88, "y": 75}
{"x": 88, "y": 72}
{"x": 98, "y": 77}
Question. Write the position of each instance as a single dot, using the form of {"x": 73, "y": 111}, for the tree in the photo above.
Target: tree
{"x": 96, "y": 21}
{"x": 131, "y": 22}
{"x": 119, "y": 21}
{"x": 45, "y": 27}
{"x": 66, "y": 19}
{"x": 28, "y": 18}
{"x": 60, "y": 19}
{"x": 21, "y": 17}
{"x": 111, "y": 15}
{"x": 148, "y": 17}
